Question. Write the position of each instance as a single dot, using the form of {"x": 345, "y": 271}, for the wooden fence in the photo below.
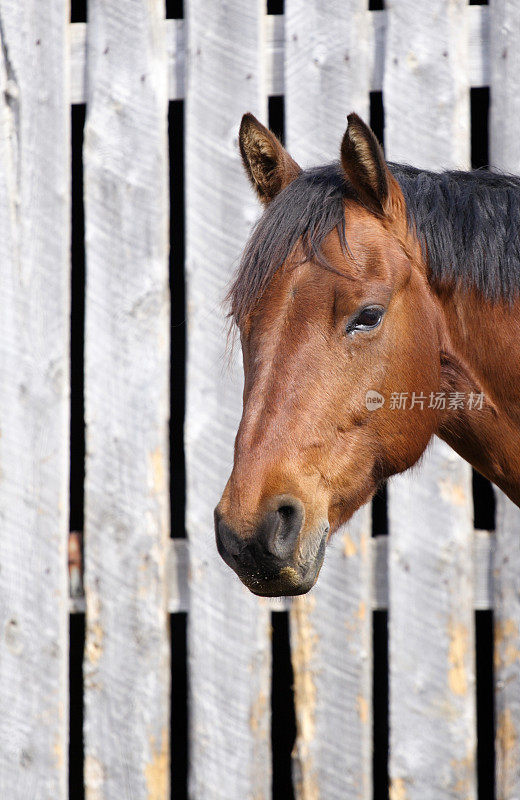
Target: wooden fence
{"x": 433, "y": 570}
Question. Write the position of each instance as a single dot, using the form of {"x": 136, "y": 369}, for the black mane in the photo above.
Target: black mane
{"x": 468, "y": 224}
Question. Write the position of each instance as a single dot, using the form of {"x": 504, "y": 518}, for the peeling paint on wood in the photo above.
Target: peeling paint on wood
{"x": 457, "y": 656}
{"x": 349, "y": 546}
{"x": 507, "y": 754}
{"x": 157, "y": 777}
{"x": 398, "y": 789}
{"x": 304, "y": 644}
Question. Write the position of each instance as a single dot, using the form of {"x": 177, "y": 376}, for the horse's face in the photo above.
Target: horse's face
{"x": 310, "y": 448}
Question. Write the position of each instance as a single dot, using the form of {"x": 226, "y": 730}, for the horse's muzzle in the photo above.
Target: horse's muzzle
{"x": 268, "y": 562}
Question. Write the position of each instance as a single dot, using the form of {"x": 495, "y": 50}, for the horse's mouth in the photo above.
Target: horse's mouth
{"x": 288, "y": 580}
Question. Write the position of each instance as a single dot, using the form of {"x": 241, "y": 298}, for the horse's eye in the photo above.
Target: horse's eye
{"x": 367, "y": 319}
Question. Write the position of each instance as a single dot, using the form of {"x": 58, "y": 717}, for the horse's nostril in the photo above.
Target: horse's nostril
{"x": 281, "y": 529}
{"x": 286, "y": 512}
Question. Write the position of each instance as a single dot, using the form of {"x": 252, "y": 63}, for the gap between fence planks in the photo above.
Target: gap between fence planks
{"x": 178, "y": 593}
{"x": 274, "y": 37}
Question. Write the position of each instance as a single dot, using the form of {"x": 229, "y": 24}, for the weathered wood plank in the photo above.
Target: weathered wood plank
{"x": 274, "y": 52}
{"x": 229, "y": 648}
{"x": 77, "y": 61}
{"x": 504, "y": 28}
{"x": 505, "y": 155}
{"x": 482, "y": 550}
{"x": 178, "y": 559}
{"x": 331, "y": 643}
{"x": 326, "y": 76}
{"x": 126, "y": 666}
{"x": 426, "y": 69}
{"x": 176, "y": 53}
{"x": 432, "y": 703}
{"x": 34, "y": 406}
{"x": 506, "y": 569}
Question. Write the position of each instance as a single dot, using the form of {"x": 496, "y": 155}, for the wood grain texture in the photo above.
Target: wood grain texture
{"x": 34, "y": 405}
{"x": 229, "y": 647}
{"x": 483, "y": 554}
{"x": 506, "y": 569}
{"x": 426, "y": 84}
{"x": 77, "y": 61}
{"x": 505, "y": 155}
{"x": 176, "y": 53}
{"x": 326, "y": 74}
{"x": 432, "y": 673}
{"x": 432, "y": 703}
{"x": 126, "y": 665}
{"x": 326, "y": 77}
{"x": 331, "y": 639}
{"x": 274, "y": 52}
{"x": 178, "y": 559}
{"x": 504, "y": 142}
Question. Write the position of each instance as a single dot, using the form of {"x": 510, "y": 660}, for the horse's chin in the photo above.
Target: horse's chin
{"x": 290, "y": 580}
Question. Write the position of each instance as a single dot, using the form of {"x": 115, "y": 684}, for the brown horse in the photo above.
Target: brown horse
{"x": 377, "y": 305}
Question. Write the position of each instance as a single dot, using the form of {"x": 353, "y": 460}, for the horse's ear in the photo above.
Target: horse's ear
{"x": 269, "y": 166}
{"x": 365, "y": 167}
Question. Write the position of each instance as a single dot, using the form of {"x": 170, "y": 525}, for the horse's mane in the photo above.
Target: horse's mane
{"x": 468, "y": 224}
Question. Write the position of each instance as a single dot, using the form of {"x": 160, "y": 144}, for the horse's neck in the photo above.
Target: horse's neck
{"x": 485, "y": 337}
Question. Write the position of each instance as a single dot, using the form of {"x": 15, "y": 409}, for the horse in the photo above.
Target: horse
{"x": 377, "y": 305}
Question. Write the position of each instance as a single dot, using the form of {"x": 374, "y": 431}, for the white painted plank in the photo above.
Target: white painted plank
{"x": 34, "y": 405}
{"x": 506, "y": 569}
{"x": 426, "y": 85}
{"x": 431, "y": 643}
{"x": 326, "y": 77}
{"x": 178, "y": 559}
{"x": 482, "y": 549}
{"x": 479, "y": 69}
{"x": 126, "y": 666}
{"x": 229, "y": 647}
{"x": 331, "y": 630}
{"x": 505, "y": 100}
{"x": 505, "y": 155}
{"x": 176, "y": 54}
{"x": 477, "y": 23}
{"x": 274, "y": 52}
{"x": 432, "y": 692}
{"x": 77, "y": 61}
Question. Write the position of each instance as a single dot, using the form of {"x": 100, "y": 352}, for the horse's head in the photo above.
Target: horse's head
{"x": 335, "y": 315}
